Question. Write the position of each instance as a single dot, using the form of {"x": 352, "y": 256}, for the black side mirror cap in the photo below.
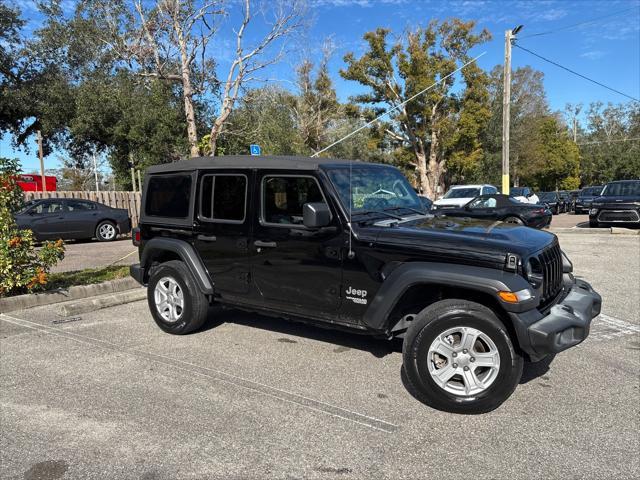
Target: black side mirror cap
{"x": 316, "y": 215}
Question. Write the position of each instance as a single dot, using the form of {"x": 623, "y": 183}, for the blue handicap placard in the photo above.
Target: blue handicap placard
{"x": 255, "y": 150}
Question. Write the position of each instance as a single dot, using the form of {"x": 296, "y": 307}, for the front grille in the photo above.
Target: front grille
{"x": 551, "y": 263}
{"x": 618, "y": 216}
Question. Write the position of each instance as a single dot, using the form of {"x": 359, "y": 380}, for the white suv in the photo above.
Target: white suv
{"x": 460, "y": 195}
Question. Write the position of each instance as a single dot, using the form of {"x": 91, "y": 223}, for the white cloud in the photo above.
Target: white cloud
{"x": 593, "y": 54}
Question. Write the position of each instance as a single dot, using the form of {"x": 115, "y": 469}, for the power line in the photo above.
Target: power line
{"x": 585, "y": 22}
{"x": 575, "y": 73}
{"x": 397, "y": 106}
{"x": 610, "y": 141}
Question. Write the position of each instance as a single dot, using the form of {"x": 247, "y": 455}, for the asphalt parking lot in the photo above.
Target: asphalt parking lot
{"x": 93, "y": 254}
{"x": 108, "y": 395}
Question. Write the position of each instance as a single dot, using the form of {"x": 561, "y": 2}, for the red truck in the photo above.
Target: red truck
{"x": 33, "y": 183}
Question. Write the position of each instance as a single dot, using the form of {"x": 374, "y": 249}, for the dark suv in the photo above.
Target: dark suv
{"x": 348, "y": 245}
{"x": 586, "y": 197}
{"x": 618, "y": 204}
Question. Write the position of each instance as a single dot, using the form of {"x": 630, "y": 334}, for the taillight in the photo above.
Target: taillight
{"x": 135, "y": 236}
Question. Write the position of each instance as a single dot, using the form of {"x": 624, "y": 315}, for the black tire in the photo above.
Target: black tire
{"x": 594, "y": 224}
{"x": 195, "y": 304}
{"x": 513, "y": 219}
{"x": 556, "y": 210}
{"x": 435, "y": 320}
{"x": 106, "y": 231}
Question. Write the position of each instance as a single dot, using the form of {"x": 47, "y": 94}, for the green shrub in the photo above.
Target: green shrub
{"x": 23, "y": 269}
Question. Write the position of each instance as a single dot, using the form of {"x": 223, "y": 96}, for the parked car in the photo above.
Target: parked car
{"x": 347, "y": 245}
{"x": 426, "y": 202}
{"x": 586, "y": 197}
{"x": 553, "y": 201}
{"x": 619, "y": 204}
{"x": 460, "y": 195}
{"x": 505, "y": 208}
{"x": 567, "y": 201}
{"x": 69, "y": 218}
{"x": 524, "y": 194}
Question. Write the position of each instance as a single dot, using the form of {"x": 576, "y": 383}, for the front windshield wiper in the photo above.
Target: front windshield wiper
{"x": 380, "y": 212}
{"x": 414, "y": 210}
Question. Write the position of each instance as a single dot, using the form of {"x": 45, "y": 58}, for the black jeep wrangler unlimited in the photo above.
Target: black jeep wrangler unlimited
{"x": 349, "y": 245}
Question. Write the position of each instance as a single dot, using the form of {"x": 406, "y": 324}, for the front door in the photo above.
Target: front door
{"x": 222, "y": 230}
{"x": 294, "y": 269}
{"x": 48, "y": 220}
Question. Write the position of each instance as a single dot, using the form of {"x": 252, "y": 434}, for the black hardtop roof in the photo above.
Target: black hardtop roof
{"x": 247, "y": 161}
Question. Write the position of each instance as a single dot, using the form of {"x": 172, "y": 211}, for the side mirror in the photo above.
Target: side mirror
{"x": 316, "y": 215}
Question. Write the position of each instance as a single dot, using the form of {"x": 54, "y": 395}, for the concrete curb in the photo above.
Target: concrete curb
{"x": 21, "y": 302}
{"x": 96, "y": 303}
{"x": 596, "y": 231}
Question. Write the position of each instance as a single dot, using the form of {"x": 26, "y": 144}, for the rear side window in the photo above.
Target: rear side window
{"x": 78, "y": 205}
{"x": 223, "y": 197}
{"x": 168, "y": 196}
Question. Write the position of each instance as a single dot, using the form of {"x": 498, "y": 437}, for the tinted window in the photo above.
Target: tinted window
{"x": 168, "y": 196}
{"x": 49, "y": 207}
{"x": 462, "y": 193}
{"x": 78, "y": 205}
{"x": 483, "y": 202}
{"x": 284, "y": 197}
{"x": 223, "y": 197}
{"x": 625, "y": 189}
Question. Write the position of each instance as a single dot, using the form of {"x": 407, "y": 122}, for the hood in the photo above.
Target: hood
{"x": 452, "y": 202}
{"x": 463, "y": 240}
{"x": 626, "y": 202}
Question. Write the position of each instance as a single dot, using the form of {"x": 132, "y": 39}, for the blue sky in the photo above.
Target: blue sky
{"x": 607, "y": 49}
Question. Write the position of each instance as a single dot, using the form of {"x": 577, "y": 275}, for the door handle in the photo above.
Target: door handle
{"x": 207, "y": 238}
{"x": 261, "y": 244}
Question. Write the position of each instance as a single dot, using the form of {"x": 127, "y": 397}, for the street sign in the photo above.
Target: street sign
{"x": 255, "y": 150}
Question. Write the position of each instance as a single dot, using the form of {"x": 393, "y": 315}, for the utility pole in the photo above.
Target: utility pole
{"x": 95, "y": 171}
{"x": 509, "y": 36}
{"x": 41, "y": 155}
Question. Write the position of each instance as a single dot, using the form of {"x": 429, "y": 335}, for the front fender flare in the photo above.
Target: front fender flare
{"x": 187, "y": 254}
{"x": 481, "y": 279}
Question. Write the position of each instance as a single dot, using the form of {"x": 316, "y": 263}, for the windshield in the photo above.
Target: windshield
{"x": 462, "y": 193}
{"x": 547, "y": 196}
{"x": 27, "y": 206}
{"x": 373, "y": 188}
{"x": 590, "y": 192}
{"x": 626, "y": 189}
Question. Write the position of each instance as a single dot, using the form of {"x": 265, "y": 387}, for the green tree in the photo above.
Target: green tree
{"x": 394, "y": 73}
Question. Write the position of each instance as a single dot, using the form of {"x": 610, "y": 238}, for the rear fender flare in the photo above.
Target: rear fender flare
{"x": 185, "y": 252}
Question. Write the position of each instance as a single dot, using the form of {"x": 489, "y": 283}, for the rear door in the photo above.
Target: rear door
{"x": 82, "y": 218}
{"x": 222, "y": 227}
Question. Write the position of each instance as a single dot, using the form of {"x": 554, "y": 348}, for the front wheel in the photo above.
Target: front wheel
{"x": 458, "y": 357}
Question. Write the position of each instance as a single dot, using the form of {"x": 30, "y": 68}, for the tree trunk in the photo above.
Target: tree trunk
{"x": 433, "y": 168}
{"x": 187, "y": 94}
{"x": 421, "y": 168}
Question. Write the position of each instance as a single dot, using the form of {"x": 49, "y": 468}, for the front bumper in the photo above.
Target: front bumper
{"x": 565, "y": 325}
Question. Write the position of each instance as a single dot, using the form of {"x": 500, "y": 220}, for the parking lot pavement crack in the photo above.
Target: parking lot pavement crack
{"x": 282, "y": 395}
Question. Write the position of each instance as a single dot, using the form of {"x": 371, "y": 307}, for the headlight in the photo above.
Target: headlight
{"x": 533, "y": 273}
{"x": 593, "y": 211}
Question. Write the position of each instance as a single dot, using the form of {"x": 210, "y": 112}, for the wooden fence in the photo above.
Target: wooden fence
{"x": 127, "y": 200}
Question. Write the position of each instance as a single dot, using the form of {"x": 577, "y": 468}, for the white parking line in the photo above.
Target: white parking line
{"x": 605, "y": 327}
{"x": 283, "y": 395}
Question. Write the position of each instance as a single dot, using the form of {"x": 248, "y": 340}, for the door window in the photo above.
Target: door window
{"x": 80, "y": 206}
{"x": 283, "y": 198}
{"x": 223, "y": 198}
{"x": 48, "y": 207}
{"x": 482, "y": 202}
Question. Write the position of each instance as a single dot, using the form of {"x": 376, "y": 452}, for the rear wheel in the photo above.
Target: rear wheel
{"x": 106, "y": 231}
{"x": 175, "y": 300}
{"x": 594, "y": 224}
{"x": 458, "y": 357}
{"x": 515, "y": 220}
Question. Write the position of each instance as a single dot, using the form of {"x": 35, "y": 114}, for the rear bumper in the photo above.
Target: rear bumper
{"x": 565, "y": 325}
{"x": 124, "y": 226}
{"x": 137, "y": 272}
